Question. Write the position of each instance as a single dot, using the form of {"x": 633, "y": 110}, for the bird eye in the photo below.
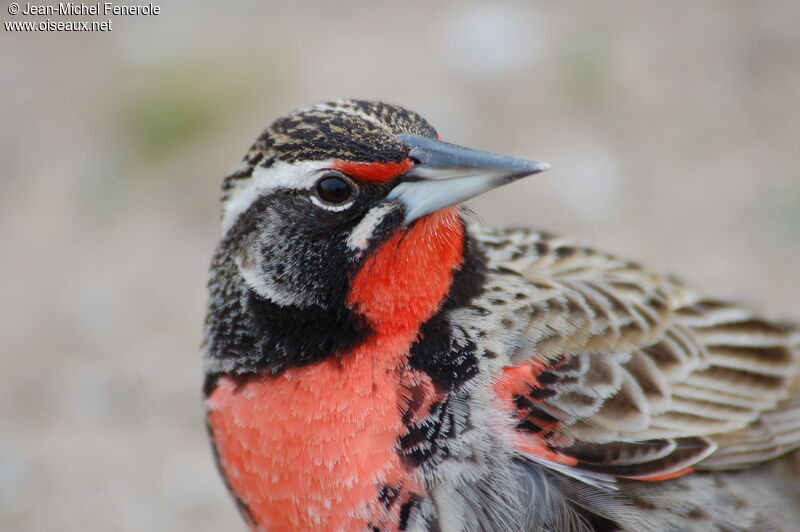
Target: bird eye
{"x": 334, "y": 189}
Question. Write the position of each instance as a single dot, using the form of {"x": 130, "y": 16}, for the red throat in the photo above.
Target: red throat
{"x": 405, "y": 280}
{"x": 310, "y": 448}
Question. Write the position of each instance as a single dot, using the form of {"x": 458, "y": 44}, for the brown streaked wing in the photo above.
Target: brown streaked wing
{"x": 659, "y": 367}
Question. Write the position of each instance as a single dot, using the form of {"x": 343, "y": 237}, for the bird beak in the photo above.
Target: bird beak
{"x": 446, "y": 174}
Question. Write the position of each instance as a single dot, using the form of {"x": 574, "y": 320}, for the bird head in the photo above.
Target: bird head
{"x": 352, "y": 206}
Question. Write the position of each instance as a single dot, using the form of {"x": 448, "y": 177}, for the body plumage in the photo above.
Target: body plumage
{"x": 375, "y": 362}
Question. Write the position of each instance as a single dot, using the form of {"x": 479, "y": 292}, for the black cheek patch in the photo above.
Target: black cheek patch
{"x": 251, "y": 334}
{"x": 292, "y": 336}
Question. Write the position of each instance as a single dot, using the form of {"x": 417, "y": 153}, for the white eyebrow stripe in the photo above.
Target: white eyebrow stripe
{"x": 281, "y": 175}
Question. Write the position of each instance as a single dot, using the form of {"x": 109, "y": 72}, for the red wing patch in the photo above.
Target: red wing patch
{"x": 525, "y": 389}
{"x": 521, "y": 388}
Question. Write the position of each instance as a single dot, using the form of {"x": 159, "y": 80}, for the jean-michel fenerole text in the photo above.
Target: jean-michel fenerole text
{"x": 96, "y": 9}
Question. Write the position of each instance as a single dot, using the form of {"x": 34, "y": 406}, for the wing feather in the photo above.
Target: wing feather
{"x": 636, "y": 375}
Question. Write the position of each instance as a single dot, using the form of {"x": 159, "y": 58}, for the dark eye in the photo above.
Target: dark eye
{"x": 334, "y": 189}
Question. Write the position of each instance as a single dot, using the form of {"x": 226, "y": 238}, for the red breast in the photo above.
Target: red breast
{"x": 310, "y": 447}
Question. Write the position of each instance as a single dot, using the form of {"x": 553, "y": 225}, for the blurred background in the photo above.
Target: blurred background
{"x": 673, "y": 131}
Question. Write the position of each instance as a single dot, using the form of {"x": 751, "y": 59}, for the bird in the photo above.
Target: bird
{"x": 377, "y": 359}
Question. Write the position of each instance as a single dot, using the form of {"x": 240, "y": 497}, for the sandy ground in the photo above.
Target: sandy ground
{"x": 672, "y": 130}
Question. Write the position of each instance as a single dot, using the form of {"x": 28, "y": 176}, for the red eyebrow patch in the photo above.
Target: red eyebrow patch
{"x": 377, "y": 171}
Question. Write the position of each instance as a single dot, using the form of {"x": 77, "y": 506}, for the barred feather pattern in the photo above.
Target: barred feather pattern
{"x": 634, "y": 376}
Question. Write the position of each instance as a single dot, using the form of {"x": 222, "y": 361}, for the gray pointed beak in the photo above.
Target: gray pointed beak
{"x": 446, "y": 174}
